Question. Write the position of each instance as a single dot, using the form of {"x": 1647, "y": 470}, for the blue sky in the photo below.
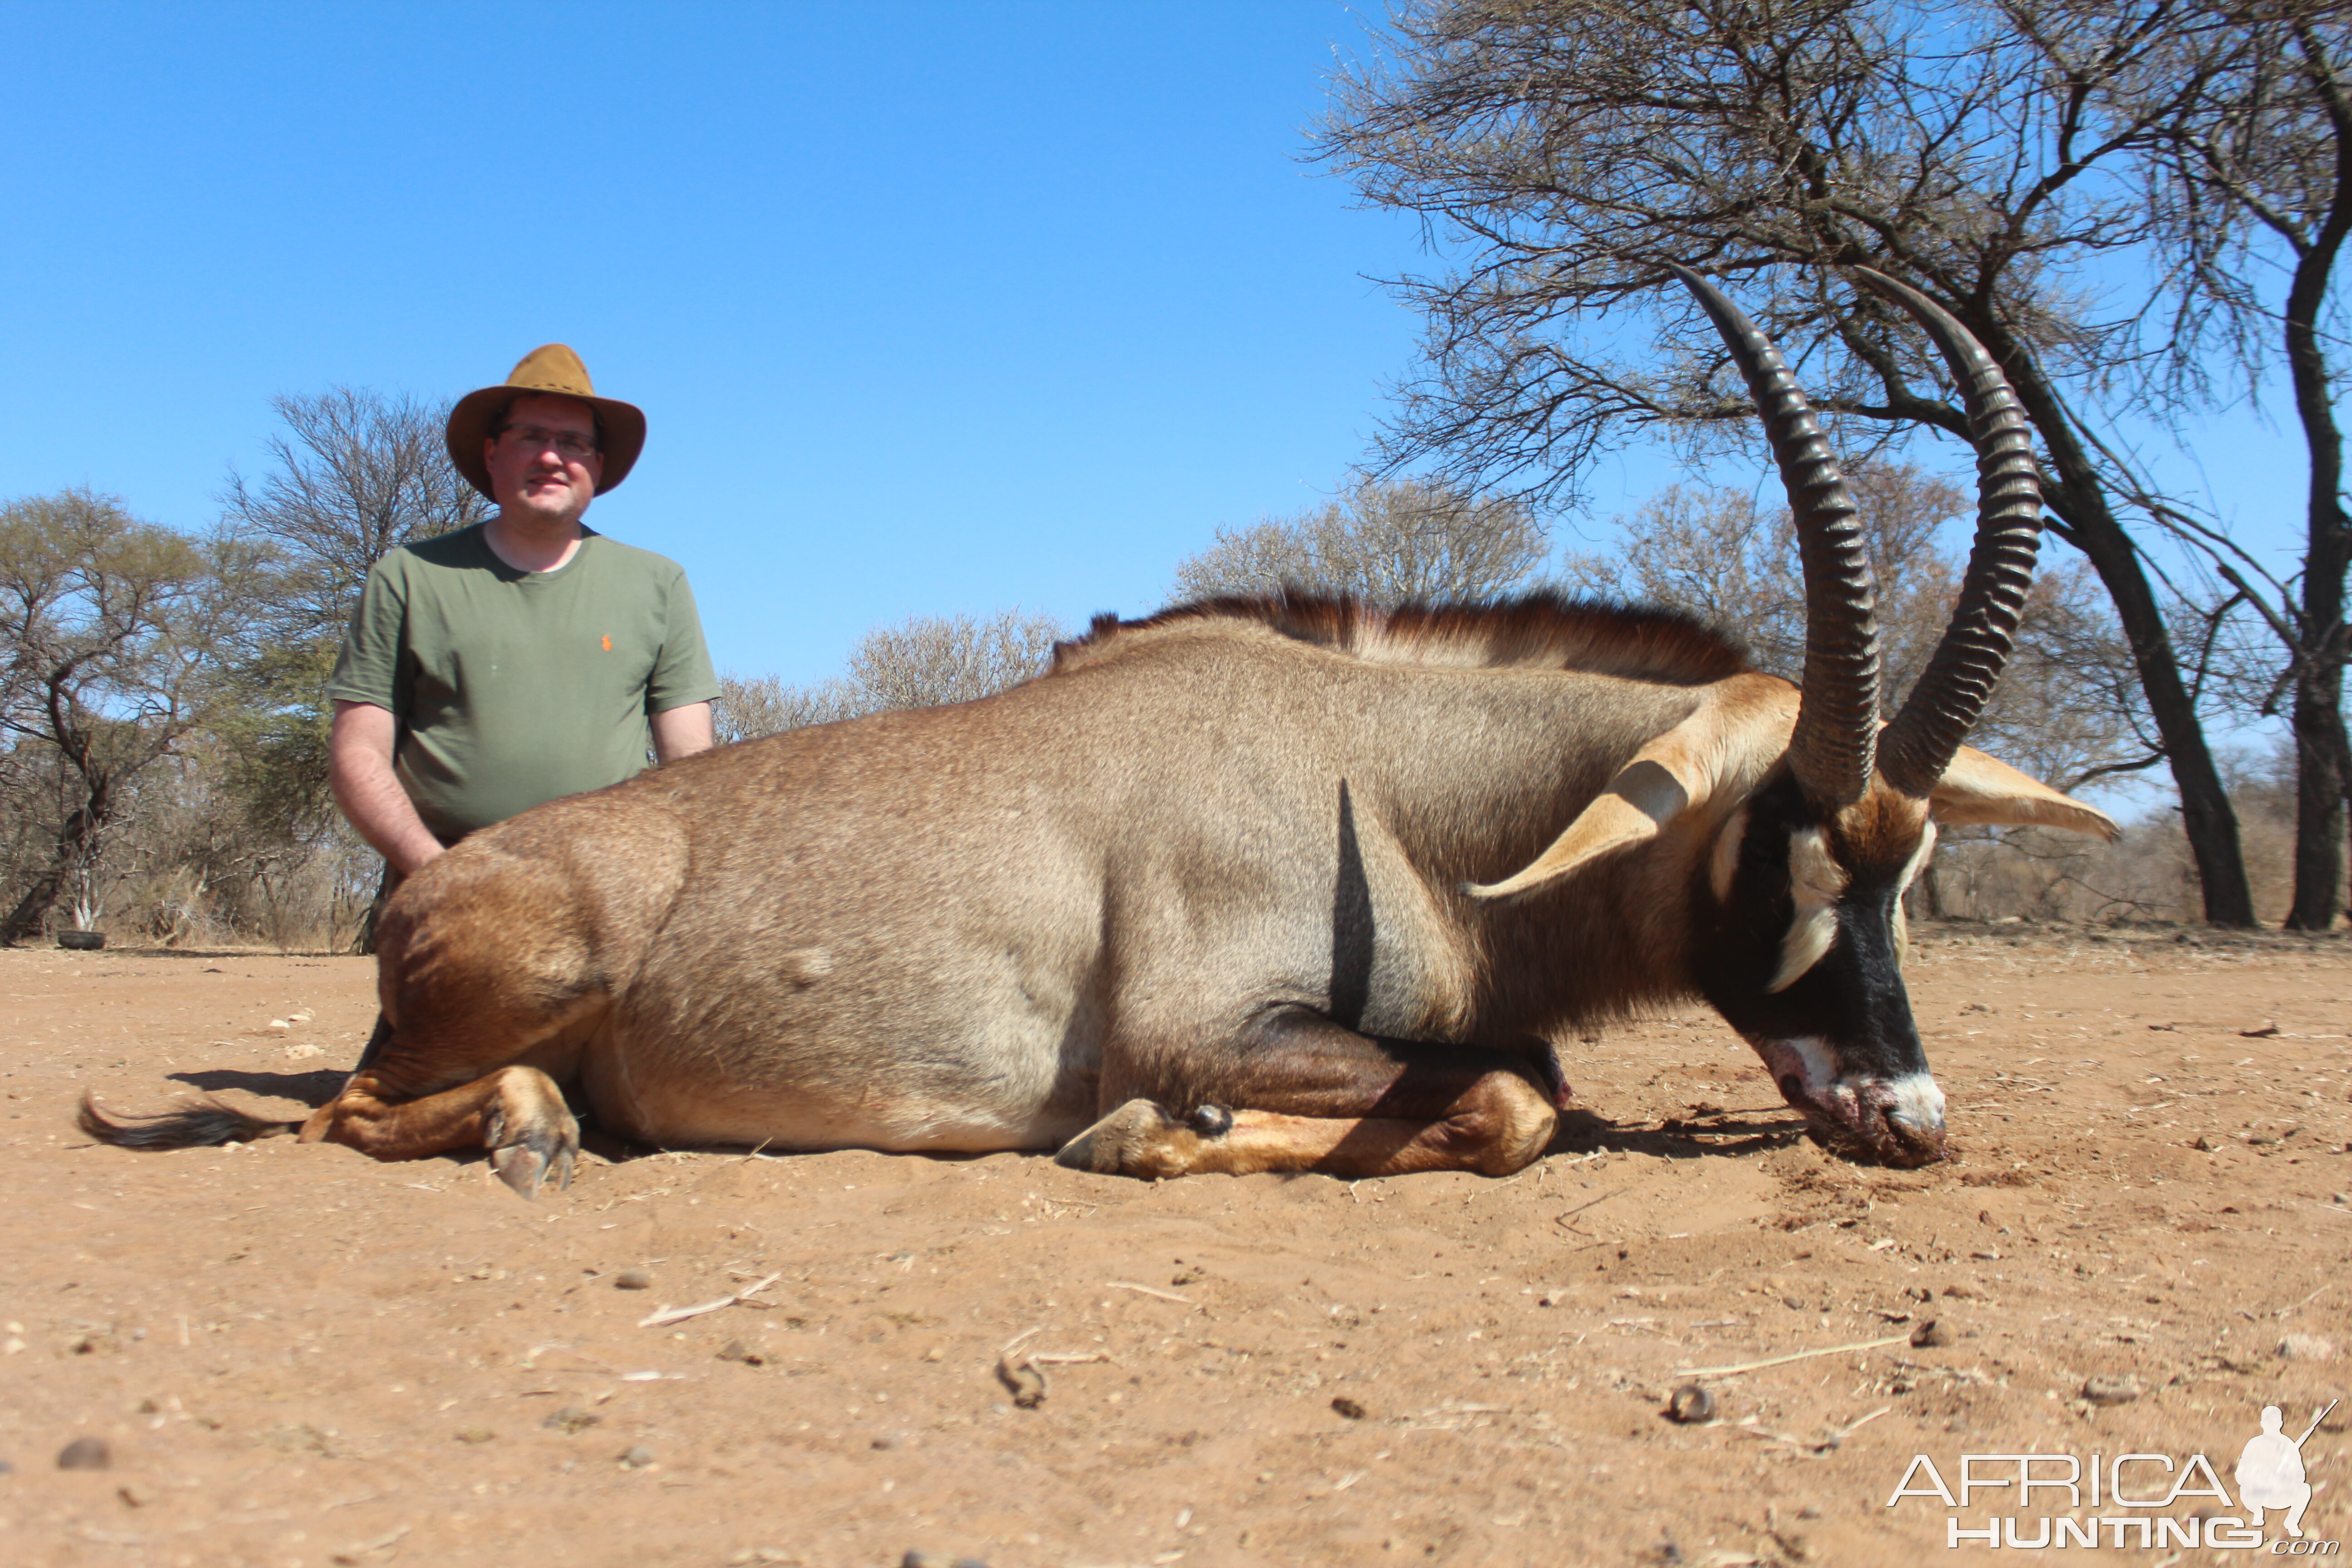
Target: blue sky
{"x": 933, "y": 308}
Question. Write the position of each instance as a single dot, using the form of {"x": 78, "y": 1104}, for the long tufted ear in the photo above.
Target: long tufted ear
{"x": 1979, "y": 791}
{"x": 1732, "y": 738}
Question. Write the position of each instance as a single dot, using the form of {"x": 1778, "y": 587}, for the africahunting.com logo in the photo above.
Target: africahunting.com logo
{"x": 2146, "y": 1501}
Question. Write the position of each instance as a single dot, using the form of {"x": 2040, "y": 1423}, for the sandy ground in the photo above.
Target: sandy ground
{"x": 296, "y": 1357}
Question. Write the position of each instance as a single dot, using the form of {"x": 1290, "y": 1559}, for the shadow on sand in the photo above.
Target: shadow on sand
{"x": 312, "y": 1089}
{"x": 1680, "y": 1138}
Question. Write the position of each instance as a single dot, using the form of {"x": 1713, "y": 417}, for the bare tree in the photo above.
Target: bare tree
{"x": 2067, "y": 708}
{"x": 933, "y": 659}
{"x": 1718, "y": 555}
{"x": 1385, "y": 540}
{"x": 2255, "y": 185}
{"x": 923, "y": 662}
{"x": 355, "y": 475}
{"x": 1569, "y": 149}
{"x": 114, "y": 631}
{"x": 750, "y": 706}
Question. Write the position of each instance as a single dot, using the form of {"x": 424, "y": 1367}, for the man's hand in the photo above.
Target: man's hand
{"x": 682, "y": 731}
{"x": 359, "y": 769}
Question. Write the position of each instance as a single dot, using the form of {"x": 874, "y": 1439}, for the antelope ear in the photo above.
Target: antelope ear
{"x": 1729, "y": 740}
{"x": 1977, "y": 790}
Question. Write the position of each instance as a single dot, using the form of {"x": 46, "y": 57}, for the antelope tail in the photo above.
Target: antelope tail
{"x": 192, "y": 1124}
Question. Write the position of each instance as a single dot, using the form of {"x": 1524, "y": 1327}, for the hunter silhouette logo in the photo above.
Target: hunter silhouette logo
{"x": 2269, "y": 1470}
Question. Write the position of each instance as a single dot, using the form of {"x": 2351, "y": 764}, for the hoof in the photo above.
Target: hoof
{"x": 1211, "y": 1120}
{"x": 527, "y": 1158}
{"x": 1130, "y": 1141}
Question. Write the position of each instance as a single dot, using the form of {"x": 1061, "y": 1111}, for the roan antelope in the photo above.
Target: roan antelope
{"x": 1281, "y": 884}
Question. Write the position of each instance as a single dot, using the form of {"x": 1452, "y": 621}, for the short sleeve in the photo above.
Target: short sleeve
{"x": 683, "y": 673}
{"x": 368, "y": 668}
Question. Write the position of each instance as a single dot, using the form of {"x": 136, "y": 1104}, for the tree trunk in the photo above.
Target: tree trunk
{"x": 26, "y": 919}
{"x": 364, "y": 943}
{"x": 1931, "y": 889}
{"x": 2322, "y": 766}
{"x": 2206, "y": 814}
{"x": 2322, "y": 770}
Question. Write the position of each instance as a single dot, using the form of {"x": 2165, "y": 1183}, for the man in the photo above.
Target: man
{"x": 524, "y": 658}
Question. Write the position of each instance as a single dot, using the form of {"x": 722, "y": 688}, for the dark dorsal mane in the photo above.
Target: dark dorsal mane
{"x": 1530, "y": 631}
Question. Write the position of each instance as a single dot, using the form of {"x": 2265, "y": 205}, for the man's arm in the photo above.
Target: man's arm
{"x": 681, "y": 732}
{"x": 359, "y": 769}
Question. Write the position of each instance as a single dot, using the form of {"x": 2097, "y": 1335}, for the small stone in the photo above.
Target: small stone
{"x": 86, "y": 1453}
{"x": 2262, "y": 1139}
{"x": 279, "y": 1023}
{"x": 633, "y": 1279}
{"x": 736, "y": 1350}
{"x": 637, "y": 1459}
{"x": 1808, "y": 1511}
{"x": 885, "y": 1441}
{"x": 1931, "y": 1334}
{"x": 572, "y": 1420}
{"x": 2307, "y": 1347}
{"x": 1348, "y": 1408}
{"x": 2204, "y": 1144}
{"x": 1026, "y": 1383}
{"x": 475, "y": 1434}
{"x": 1691, "y": 1406}
{"x": 2120, "y": 1388}
{"x": 134, "y": 1497}
{"x": 1960, "y": 1291}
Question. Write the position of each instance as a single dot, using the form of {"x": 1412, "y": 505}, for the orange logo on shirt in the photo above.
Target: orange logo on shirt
{"x": 608, "y": 642}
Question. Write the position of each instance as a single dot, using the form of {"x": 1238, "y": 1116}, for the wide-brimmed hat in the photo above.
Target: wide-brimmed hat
{"x": 555, "y": 369}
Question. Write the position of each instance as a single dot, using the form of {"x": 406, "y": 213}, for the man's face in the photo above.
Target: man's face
{"x": 544, "y": 465}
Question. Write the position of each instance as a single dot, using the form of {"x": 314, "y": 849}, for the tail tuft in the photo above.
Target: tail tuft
{"x": 192, "y": 1124}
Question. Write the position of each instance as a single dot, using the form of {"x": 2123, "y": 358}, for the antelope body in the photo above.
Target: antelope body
{"x": 1251, "y": 885}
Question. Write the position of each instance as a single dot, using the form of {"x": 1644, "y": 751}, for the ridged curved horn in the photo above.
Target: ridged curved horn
{"x": 1959, "y": 680}
{"x": 1836, "y": 736}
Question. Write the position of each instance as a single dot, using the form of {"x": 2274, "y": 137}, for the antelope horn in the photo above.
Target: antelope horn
{"x": 1959, "y": 680}
{"x": 1836, "y": 737}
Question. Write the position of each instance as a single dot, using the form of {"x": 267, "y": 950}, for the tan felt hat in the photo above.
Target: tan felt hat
{"x": 550, "y": 369}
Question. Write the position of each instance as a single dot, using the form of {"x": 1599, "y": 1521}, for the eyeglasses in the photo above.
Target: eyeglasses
{"x": 569, "y": 445}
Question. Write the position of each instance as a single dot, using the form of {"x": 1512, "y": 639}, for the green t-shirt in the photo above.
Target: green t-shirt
{"x": 513, "y": 688}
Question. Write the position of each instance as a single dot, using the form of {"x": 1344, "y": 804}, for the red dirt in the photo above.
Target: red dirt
{"x": 297, "y": 1356}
